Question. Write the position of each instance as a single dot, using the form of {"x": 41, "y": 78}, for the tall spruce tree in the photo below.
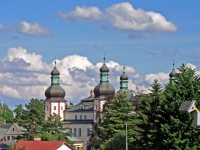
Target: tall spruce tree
{"x": 178, "y": 129}
{"x": 148, "y": 116}
{"x": 112, "y": 122}
{"x": 164, "y": 126}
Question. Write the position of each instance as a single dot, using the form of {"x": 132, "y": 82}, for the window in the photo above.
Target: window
{"x": 61, "y": 107}
{"x": 8, "y": 138}
{"x": 74, "y": 132}
{"x": 13, "y": 138}
{"x": 13, "y": 129}
{"x": 79, "y": 132}
{"x": 54, "y": 107}
{"x": 80, "y": 117}
{"x": 47, "y": 107}
{"x": 85, "y": 106}
{"x": 75, "y": 117}
{"x": 88, "y": 131}
{"x": 85, "y": 117}
{"x": 70, "y": 130}
{"x": 96, "y": 106}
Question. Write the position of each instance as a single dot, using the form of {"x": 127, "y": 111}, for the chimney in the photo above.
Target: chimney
{"x": 36, "y": 138}
{"x": 91, "y": 93}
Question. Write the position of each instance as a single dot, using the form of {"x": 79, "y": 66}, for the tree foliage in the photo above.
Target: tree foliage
{"x": 164, "y": 126}
{"x": 5, "y": 114}
{"x": 112, "y": 122}
{"x": 32, "y": 119}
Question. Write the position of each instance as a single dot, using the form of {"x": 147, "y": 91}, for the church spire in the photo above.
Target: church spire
{"x": 104, "y": 71}
{"x": 124, "y": 80}
{"x": 172, "y": 75}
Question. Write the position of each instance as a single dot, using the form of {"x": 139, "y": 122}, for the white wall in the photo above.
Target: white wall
{"x": 49, "y": 107}
{"x": 63, "y": 147}
{"x": 71, "y": 115}
{"x": 84, "y": 127}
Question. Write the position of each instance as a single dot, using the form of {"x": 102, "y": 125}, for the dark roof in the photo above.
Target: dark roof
{"x": 172, "y": 73}
{"x": 104, "y": 89}
{"x": 104, "y": 68}
{"x": 55, "y": 71}
{"x": 123, "y": 77}
{"x": 89, "y": 121}
{"x": 5, "y": 126}
{"x": 55, "y": 92}
{"x": 77, "y": 107}
{"x": 88, "y": 99}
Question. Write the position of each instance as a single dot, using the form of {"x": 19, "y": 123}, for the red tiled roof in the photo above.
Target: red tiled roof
{"x": 40, "y": 145}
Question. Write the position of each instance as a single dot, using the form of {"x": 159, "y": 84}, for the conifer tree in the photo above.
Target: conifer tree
{"x": 112, "y": 121}
{"x": 177, "y": 129}
{"x": 148, "y": 116}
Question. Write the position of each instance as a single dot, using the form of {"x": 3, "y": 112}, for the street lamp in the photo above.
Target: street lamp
{"x": 129, "y": 113}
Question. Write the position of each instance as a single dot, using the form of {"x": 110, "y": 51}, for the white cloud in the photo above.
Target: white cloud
{"x": 32, "y": 29}
{"x": 9, "y": 92}
{"x": 124, "y": 17}
{"x": 82, "y": 14}
{"x": 33, "y": 61}
{"x": 162, "y": 78}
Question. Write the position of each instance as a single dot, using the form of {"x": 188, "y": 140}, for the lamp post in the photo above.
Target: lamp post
{"x": 129, "y": 113}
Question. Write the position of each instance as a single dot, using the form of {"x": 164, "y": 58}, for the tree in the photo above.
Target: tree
{"x": 53, "y": 130}
{"x": 32, "y": 118}
{"x": 149, "y": 116}
{"x": 167, "y": 127}
{"x": 178, "y": 130}
{"x": 117, "y": 141}
{"x": 112, "y": 121}
{"x": 5, "y": 114}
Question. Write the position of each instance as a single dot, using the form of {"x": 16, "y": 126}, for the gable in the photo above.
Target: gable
{"x": 13, "y": 130}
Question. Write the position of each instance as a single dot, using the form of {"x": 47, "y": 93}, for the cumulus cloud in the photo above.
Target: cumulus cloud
{"x": 82, "y": 14}
{"x": 9, "y": 92}
{"x": 124, "y": 17}
{"x": 24, "y": 75}
{"x": 162, "y": 78}
{"x": 32, "y": 29}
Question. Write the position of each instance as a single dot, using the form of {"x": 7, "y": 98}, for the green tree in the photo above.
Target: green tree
{"x": 168, "y": 128}
{"x": 5, "y": 114}
{"x": 32, "y": 118}
{"x": 149, "y": 116}
{"x": 178, "y": 129}
{"x": 112, "y": 121}
{"x": 118, "y": 141}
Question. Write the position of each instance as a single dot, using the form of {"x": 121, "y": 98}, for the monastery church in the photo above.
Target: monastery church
{"x": 80, "y": 117}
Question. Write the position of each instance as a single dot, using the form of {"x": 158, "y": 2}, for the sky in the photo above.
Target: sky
{"x": 144, "y": 36}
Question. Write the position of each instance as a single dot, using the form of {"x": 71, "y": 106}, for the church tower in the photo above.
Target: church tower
{"x": 172, "y": 76}
{"x": 55, "y": 102}
{"x": 102, "y": 92}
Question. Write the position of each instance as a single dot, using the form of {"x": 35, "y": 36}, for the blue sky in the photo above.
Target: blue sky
{"x": 145, "y": 35}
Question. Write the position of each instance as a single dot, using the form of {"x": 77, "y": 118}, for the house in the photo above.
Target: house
{"x": 8, "y": 134}
{"x": 44, "y": 145}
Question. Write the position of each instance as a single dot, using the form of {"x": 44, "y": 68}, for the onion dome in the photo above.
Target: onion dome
{"x": 172, "y": 73}
{"x": 104, "y": 68}
{"x": 124, "y": 76}
{"x": 104, "y": 88}
{"x": 55, "y": 72}
{"x": 55, "y": 92}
